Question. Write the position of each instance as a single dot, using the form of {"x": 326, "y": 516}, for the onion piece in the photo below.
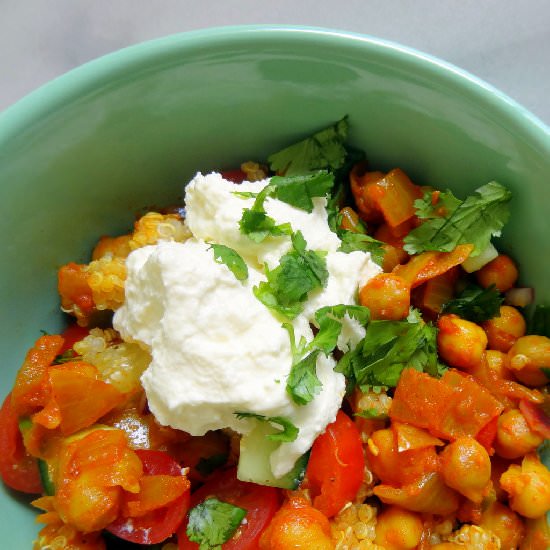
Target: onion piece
{"x": 477, "y": 262}
{"x": 520, "y": 297}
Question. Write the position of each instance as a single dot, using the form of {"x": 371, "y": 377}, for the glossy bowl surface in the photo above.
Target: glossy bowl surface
{"x": 80, "y": 156}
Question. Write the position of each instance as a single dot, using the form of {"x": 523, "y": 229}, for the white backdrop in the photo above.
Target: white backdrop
{"x": 505, "y": 42}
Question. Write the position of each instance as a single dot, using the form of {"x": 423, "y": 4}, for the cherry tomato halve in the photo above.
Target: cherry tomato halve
{"x": 336, "y": 466}
{"x": 259, "y": 501}
{"x": 18, "y": 469}
{"x": 157, "y": 525}
{"x": 236, "y": 176}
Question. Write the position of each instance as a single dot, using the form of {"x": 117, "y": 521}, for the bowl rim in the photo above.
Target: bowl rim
{"x": 60, "y": 90}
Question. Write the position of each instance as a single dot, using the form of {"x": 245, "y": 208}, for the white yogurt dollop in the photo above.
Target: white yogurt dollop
{"x": 216, "y": 349}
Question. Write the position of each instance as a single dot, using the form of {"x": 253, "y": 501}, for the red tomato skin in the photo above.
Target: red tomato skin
{"x": 71, "y": 335}
{"x": 236, "y": 176}
{"x": 336, "y": 466}
{"x": 260, "y": 501}
{"x": 158, "y": 525}
{"x": 18, "y": 469}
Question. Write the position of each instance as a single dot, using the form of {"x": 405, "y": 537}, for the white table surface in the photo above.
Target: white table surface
{"x": 505, "y": 42}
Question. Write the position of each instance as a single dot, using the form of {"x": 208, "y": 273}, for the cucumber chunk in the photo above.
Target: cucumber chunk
{"x": 254, "y": 465}
{"x": 46, "y": 477}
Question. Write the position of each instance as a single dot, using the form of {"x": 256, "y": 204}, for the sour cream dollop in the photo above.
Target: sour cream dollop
{"x": 216, "y": 349}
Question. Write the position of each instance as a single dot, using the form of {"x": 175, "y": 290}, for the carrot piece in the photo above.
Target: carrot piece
{"x": 454, "y": 406}
{"x": 31, "y": 384}
{"x": 74, "y": 289}
{"x": 360, "y": 182}
{"x": 156, "y": 491}
{"x": 394, "y": 196}
{"x": 77, "y": 398}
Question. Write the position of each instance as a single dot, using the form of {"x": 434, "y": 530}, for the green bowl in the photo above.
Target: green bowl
{"x": 80, "y": 156}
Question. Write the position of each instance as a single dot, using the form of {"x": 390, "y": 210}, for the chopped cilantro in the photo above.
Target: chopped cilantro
{"x": 231, "y": 258}
{"x": 360, "y": 241}
{"x": 539, "y": 323}
{"x": 299, "y": 190}
{"x": 65, "y": 357}
{"x": 476, "y": 304}
{"x": 288, "y": 433}
{"x": 473, "y": 220}
{"x": 213, "y": 522}
{"x": 303, "y": 384}
{"x": 206, "y": 465}
{"x": 300, "y": 271}
{"x": 372, "y": 414}
{"x": 543, "y": 451}
{"x": 323, "y": 150}
{"x": 389, "y": 347}
{"x": 257, "y": 224}
{"x": 329, "y": 321}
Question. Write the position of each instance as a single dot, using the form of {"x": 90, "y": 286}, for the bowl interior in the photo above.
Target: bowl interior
{"x": 81, "y": 156}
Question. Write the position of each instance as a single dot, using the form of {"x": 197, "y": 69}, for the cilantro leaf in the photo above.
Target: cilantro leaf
{"x": 473, "y": 221}
{"x": 543, "y": 451}
{"x": 213, "y": 522}
{"x": 329, "y": 321}
{"x": 300, "y": 271}
{"x": 289, "y": 430}
{"x": 65, "y": 357}
{"x": 540, "y": 321}
{"x": 389, "y": 347}
{"x": 360, "y": 241}
{"x": 231, "y": 258}
{"x": 323, "y": 150}
{"x": 303, "y": 384}
{"x": 257, "y": 224}
{"x": 299, "y": 190}
{"x": 476, "y": 304}
{"x": 371, "y": 413}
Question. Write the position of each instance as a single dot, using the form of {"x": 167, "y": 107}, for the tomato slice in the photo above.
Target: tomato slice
{"x": 336, "y": 466}
{"x": 259, "y": 501}
{"x": 157, "y": 525}
{"x": 18, "y": 469}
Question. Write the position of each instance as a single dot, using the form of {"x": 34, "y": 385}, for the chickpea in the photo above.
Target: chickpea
{"x": 466, "y": 467}
{"x": 387, "y": 296}
{"x": 503, "y": 331}
{"x": 527, "y": 357}
{"x": 504, "y": 523}
{"x": 299, "y": 526}
{"x": 514, "y": 436}
{"x": 501, "y": 272}
{"x": 460, "y": 343}
{"x": 497, "y": 362}
{"x": 398, "y": 529}
{"x": 528, "y": 487}
{"x": 446, "y": 546}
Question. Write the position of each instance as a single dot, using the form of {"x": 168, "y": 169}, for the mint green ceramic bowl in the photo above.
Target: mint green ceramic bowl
{"x": 81, "y": 155}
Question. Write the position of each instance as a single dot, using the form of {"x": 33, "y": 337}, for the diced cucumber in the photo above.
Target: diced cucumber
{"x": 46, "y": 477}
{"x": 254, "y": 465}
